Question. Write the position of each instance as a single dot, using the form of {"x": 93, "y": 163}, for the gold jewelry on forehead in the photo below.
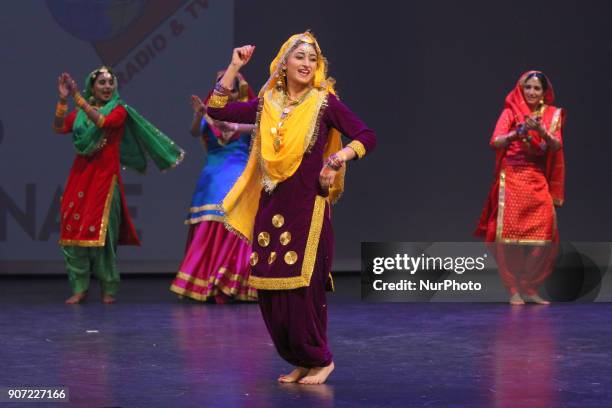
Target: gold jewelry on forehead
{"x": 102, "y": 70}
{"x": 301, "y": 46}
{"x": 307, "y": 39}
{"x": 320, "y": 80}
{"x": 534, "y": 75}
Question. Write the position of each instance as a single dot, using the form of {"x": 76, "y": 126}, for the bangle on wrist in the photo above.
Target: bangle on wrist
{"x": 220, "y": 89}
{"x": 79, "y": 100}
{"x": 332, "y": 162}
{"x": 60, "y": 109}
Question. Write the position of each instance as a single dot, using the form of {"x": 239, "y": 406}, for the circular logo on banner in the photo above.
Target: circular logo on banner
{"x": 96, "y": 20}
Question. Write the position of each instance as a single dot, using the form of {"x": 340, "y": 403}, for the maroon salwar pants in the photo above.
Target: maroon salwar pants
{"x": 297, "y": 319}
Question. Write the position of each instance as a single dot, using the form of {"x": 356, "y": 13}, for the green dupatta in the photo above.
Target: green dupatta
{"x": 140, "y": 140}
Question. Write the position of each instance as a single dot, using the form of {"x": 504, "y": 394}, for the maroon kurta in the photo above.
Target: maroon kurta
{"x": 87, "y": 196}
{"x": 292, "y": 234}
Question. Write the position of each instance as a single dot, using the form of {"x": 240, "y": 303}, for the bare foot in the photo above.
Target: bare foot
{"x": 317, "y": 375}
{"x": 293, "y": 376}
{"x": 76, "y": 298}
{"x": 535, "y": 299}
{"x": 516, "y": 300}
{"x": 108, "y": 299}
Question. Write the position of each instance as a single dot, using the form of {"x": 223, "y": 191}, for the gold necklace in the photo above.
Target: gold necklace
{"x": 288, "y": 105}
{"x": 289, "y": 101}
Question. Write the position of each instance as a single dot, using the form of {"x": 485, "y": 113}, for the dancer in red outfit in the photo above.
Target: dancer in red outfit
{"x": 94, "y": 215}
{"x": 519, "y": 215}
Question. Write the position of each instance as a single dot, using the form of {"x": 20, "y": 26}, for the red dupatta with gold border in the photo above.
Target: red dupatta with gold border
{"x": 555, "y": 162}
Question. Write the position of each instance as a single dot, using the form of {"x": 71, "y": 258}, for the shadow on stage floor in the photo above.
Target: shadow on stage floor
{"x": 155, "y": 350}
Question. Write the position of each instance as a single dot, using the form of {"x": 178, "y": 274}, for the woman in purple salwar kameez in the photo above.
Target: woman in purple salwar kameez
{"x": 281, "y": 202}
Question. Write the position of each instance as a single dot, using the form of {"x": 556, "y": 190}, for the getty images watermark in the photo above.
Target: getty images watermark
{"x": 412, "y": 265}
{"x": 469, "y": 272}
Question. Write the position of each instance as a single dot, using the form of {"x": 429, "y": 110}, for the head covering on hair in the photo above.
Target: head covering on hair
{"x": 270, "y": 164}
{"x": 516, "y": 99}
{"x": 321, "y": 80}
{"x": 140, "y": 140}
{"x": 555, "y": 161}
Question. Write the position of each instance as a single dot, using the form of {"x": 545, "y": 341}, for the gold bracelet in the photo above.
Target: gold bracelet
{"x": 358, "y": 147}
{"x": 79, "y": 100}
{"x": 100, "y": 121}
{"x": 60, "y": 109}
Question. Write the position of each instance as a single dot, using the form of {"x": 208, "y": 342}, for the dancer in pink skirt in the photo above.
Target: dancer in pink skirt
{"x": 216, "y": 263}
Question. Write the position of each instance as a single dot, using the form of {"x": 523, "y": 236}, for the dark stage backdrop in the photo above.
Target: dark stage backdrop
{"x": 428, "y": 77}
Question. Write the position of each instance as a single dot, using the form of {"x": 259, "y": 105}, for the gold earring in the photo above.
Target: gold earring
{"x": 280, "y": 83}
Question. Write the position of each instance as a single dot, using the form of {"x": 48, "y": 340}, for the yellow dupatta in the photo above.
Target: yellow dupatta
{"x": 267, "y": 166}
{"x": 298, "y": 129}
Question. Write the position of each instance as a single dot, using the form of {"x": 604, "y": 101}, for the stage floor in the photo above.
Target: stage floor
{"x": 154, "y": 350}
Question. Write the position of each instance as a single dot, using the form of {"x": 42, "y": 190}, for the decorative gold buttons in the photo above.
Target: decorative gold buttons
{"x": 254, "y": 258}
{"x": 271, "y": 257}
{"x": 92, "y": 228}
{"x": 68, "y": 227}
{"x": 291, "y": 257}
{"x": 285, "y": 238}
{"x": 76, "y": 216}
{"x": 263, "y": 239}
{"x": 278, "y": 220}
{"x": 81, "y": 194}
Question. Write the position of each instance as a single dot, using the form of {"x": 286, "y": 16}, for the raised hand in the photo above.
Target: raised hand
{"x": 197, "y": 104}
{"x": 242, "y": 55}
{"x": 71, "y": 83}
{"x": 63, "y": 86}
